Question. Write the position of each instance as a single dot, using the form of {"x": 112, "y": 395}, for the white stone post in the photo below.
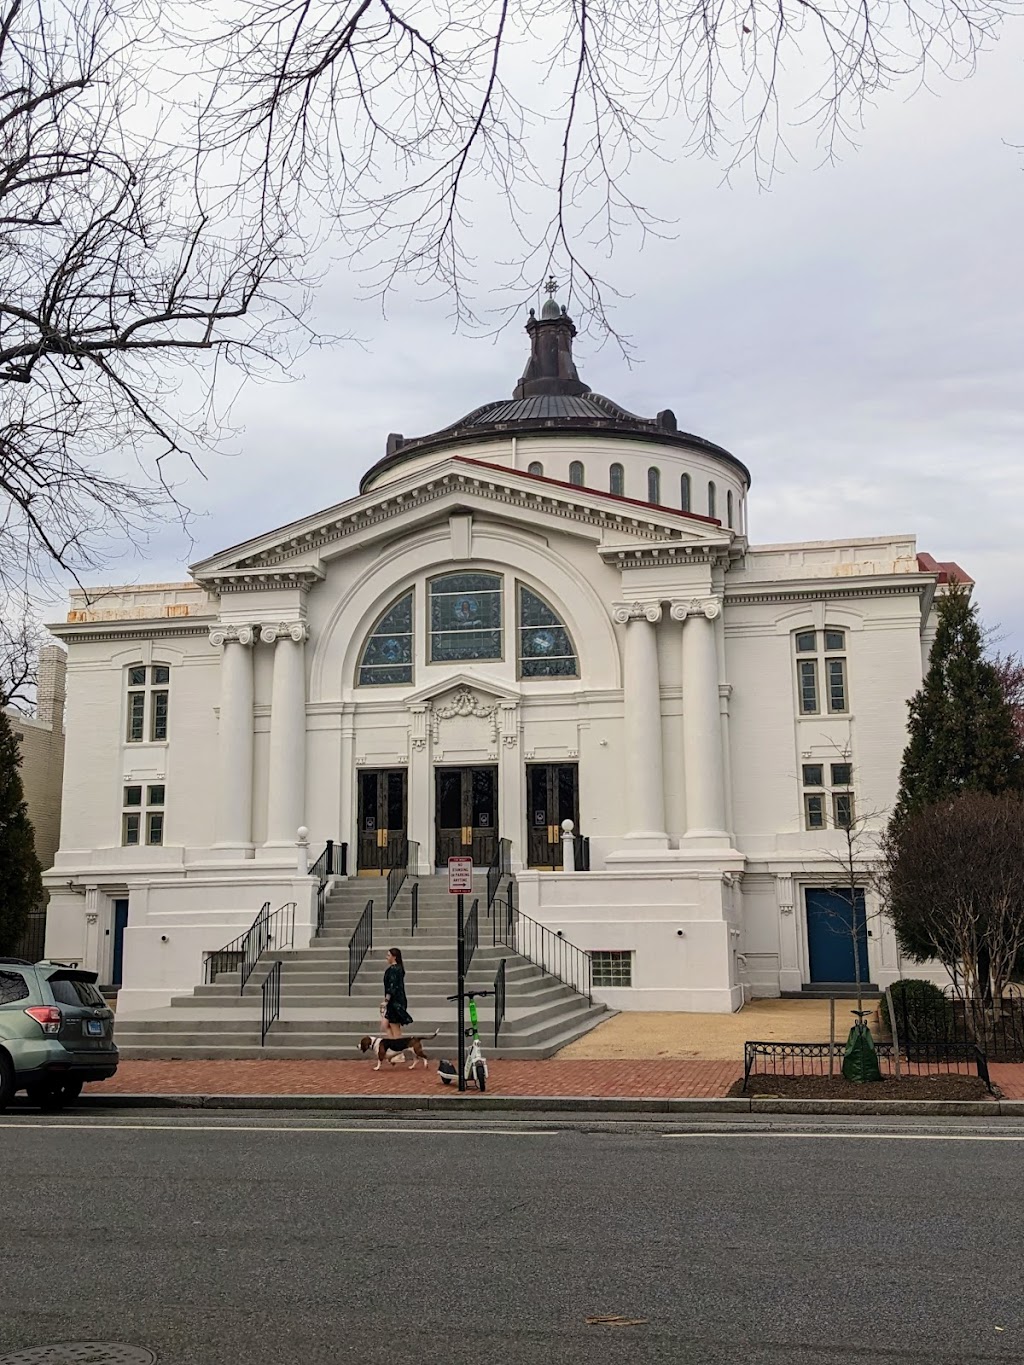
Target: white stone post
{"x": 568, "y": 847}
{"x": 702, "y": 722}
{"x": 233, "y": 824}
{"x": 645, "y": 787}
{"x": 286, "y": 795}
{"x": 302, "y": 852}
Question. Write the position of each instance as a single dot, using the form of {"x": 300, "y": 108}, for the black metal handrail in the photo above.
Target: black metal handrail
{"x": 414, "y": 913}
{"x": 581, "y": 852}
{"x": 549, "y": 951}
{"x": 271, "y": 991}
{"x": 397, "y": 876}
{"x": 471, "y": 933}
{"x": 360, "y": 943}
{"x": 236, "y": 954}
{"x": 499, "y": 998}
{"x": 500, "y": 868}
{"x": 327, "y": 866}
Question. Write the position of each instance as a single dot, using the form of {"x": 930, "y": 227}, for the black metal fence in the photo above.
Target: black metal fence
{"x": 271, "y": 991}
{"x": 826, "y": 1060}
{"x": 499, "y": 999}
{"x": 927, "y": 1024}
{"x": 360, "y": 943}
{"x": 500, "y": 868}
{"x": 32, "y": 944}
{"x": 414, "y": 910}
{"x": 548, "y": 950}
{"x": 471, "y": 934}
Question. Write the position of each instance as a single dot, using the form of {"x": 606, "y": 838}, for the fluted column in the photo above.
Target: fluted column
{"x": 702, "y": 724}
{"x": 233, "y": 823}
{"x": 645, "y": 787}
{"x": 286, "y": 795}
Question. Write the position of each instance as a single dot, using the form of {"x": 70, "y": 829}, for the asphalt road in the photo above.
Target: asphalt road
{"x": 239, "y": 1239}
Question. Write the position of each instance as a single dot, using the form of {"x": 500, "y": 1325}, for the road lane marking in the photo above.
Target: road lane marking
{"x": 862, "y": 1137}
{"x": 281, "y": 1128}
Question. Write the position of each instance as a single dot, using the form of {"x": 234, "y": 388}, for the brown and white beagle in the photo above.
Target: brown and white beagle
{"x": 382, "y": 1045}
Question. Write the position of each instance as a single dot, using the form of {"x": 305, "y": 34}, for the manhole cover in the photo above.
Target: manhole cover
{"x": 81, "y": 1353}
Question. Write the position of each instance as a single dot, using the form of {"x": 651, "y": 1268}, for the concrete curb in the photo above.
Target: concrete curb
{"x": 570, "y": 1104}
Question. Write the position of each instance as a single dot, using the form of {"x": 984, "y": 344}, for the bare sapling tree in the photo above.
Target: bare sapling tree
{"x": 21, "y": 638}
{"x": 123, "y": 296}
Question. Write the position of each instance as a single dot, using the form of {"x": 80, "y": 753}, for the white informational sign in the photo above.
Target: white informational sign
{"x": 460, "y": 876}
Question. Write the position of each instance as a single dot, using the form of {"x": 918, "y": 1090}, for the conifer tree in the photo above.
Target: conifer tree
{"x": 962, "y": 732}
{"x": 21, "y": 886}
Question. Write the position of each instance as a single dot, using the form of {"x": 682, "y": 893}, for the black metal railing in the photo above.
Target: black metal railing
{"x": 926, "y": 1023}
{"x": 360, "y": 943}
{"x": 549, "y": 951}
{"x": 269, "y": 930}
{"x": 581, "y": 852}
{"x": 824, "y": 1060}
{"x": 397, "y": 876}
{"x": 333, "y": 862}
{"x": 499, "y": 999}
{"x": 471, "y": 933}
{"x": 271, "y": 991}
{"x": 500, "y": 868}
{"x": 32, "y": 944}
{"x": 414, "y": 911}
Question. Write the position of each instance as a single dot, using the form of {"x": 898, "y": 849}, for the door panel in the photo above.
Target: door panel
{"x": 120, "y": 924}
{"x": 466, "y": 814}
{"x": 830, "y": 936}
{"x": 553, "y": 795}
{"x": 383, "y": 818}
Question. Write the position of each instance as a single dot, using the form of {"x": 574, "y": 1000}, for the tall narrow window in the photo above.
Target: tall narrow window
{"x": 535, "y": 467}
{"x": 711, "y": 500}
{"x": 684, "y": 492}
{"x": 387, "y": 654}
{"x": 835, "y": 669}
{"x": 808, "y": 670}
{"x": 728, "y": 508}
{"x": 821, "y": 661}
{"x": 148, "y": 702}
{"x": 465, "y": 617}
{"x": 654, "y": 484}
{"x": 545, "y": 647}
{"x": 576, "y": 474}
{"x": 616, "y": 480}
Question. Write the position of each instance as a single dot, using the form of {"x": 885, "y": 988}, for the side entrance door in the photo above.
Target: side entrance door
{"x": 383, "y": 816}
{"x": 466, "y": 805}
{"x": 830, "y": 929}
{"x": 120, "y": 924}
{"x": 552, "y": 795}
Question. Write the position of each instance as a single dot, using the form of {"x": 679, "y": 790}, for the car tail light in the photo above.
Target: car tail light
{"x": 48, "y": 1017}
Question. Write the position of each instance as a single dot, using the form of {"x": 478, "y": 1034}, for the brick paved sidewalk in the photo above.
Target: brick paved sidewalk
{"x": 644, "y": 1079}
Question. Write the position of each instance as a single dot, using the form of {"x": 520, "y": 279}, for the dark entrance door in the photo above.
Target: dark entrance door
{"x": 120, "y": 924}
{"x": 466, "y": 814}
{"x": 383, "y": 812}
{"x": 552, "y": 795}
{"x": 830, "y": 935}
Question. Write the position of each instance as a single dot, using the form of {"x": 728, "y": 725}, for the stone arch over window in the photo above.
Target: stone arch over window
{"x": 617, "y": 480}
{"x": 545, "y": 647}
{"x": 576, "y": 474}
{"x": 712, "y": 498}
{"x": 684, "y": 492}
{"x": 728, "y": 508}
{"x": 387, "y": 654}
{"x": 654, "y": 484}
{"x": 535, "y": 467}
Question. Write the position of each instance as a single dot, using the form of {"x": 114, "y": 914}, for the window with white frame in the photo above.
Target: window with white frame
{"x": 142, "y": 813}
{"x": 654, "y": 485}
{"x": 611, "y": 968}
{"x": 712, "y": 499}
{"x": 617, "y": 480}
{"x": 545, "y": 646}
{"x": 684, "y": 492}
{"x": 821, "y": 671}
{"x": 387, "y": 654}
{"x": 827, "y": 795}
{"x": 148, "y": 702}
{"x": 535, "y": 467}
{"x": 465, "y": 617}
{"x": 728, "y": 508}
{"x": 576, "y": 474}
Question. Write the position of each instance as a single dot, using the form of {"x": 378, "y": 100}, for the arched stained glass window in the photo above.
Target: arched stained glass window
{"x": 387, "y": 654}
{"x": 711, "y": 500}
{"x": 465, "y": 617}
{"x": 545, "y": 646}
{"x": 654, "y": 484}
{"x": 728, "y": 508}
{"x": 535, "y": 467}
{"x": 616, "y": 480}
{"x": 576, "y": 474}
{"x": 684, "y": 492}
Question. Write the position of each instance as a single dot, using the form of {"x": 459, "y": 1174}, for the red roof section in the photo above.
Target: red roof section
{"x": 944, "y": 569}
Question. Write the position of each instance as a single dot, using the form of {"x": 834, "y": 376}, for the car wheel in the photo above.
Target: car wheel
{"x": 6, "y": 1080}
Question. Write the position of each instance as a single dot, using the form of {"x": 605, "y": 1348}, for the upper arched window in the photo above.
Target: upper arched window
{"x": 545, "y": 647}
{"x": 535, "y": 467}
{"x": 387, "y": 654}
{"x": 148, "y": 699}
{"x": 576, "y": 474}
{"x": 711, "y": 500}
{"x": 654, "y": 484}
{"x": 728, "y": 508}
{"x": 616, "y": 480}
{"x": 684, "y": 492}
{"x": 465, "y": 617}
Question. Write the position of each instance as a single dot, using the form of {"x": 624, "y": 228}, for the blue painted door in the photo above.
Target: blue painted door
{"x": 120, "y": 924}
{"x": 830, "y": 935}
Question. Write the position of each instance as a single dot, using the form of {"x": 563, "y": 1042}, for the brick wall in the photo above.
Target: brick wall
{"x": 41, "y": 739}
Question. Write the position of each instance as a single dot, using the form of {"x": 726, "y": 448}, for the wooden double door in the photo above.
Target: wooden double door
{"x": 466, "y": 814}
{"x": 383, "y": 819}
{"x": 552, "y": 795}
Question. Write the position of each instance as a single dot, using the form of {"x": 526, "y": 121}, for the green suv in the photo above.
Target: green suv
{"x": 56, "y": 1032}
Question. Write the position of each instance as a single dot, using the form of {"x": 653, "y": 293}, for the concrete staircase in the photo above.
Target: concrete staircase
{"x": 320, "y": 1019}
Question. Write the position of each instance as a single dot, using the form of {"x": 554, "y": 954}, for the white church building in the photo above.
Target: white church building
{"x": 548, "y": 611}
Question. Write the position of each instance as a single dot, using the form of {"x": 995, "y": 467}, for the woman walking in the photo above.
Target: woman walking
{"x": 395, "y": 1007}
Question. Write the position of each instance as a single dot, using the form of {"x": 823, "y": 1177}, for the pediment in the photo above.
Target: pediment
{"x": 296, "y": 553}
{"x": 444, "y": 689}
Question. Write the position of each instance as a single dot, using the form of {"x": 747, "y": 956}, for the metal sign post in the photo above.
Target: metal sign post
{"x": 460, "y": 880}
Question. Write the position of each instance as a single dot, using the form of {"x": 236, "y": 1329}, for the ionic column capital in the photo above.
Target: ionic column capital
{"x": 622, "y": 612}
{"x": 272, "y": 631}
{"x": 228, "y": 635}
{"x": 709, "y": 607}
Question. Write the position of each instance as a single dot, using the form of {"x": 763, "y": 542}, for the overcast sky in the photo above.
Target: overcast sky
{"x": 855, "y": 336}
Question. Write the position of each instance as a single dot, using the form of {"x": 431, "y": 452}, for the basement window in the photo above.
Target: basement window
{"x": 612, "y": 968}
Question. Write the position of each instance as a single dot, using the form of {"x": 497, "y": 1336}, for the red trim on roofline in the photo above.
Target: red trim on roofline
{"x": 944, "y": 569}
{"x": 576, "y": 488}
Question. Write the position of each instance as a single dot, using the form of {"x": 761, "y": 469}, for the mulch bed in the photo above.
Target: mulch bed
{"x": 889, "y": 1088}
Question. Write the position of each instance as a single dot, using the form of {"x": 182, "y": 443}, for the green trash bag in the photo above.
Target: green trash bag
{"x": 860, "y": 1060}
